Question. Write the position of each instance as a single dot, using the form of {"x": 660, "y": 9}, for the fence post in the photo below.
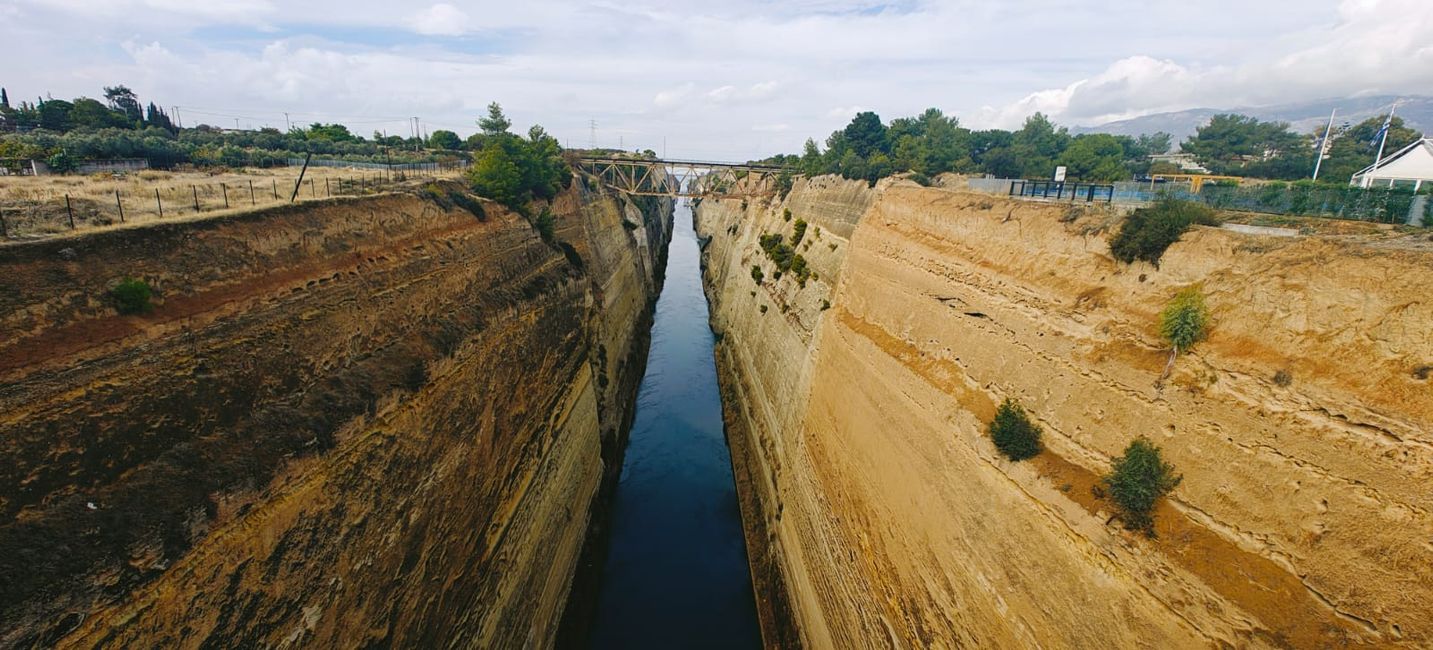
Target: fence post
{"x": 276, "y": 189}
{"x": 300, "y": 182}
{"x": 69, "y": 211}
{"x": 159, "y": 203}
{"x": 313, "y": 192}
{"x": 196, "y": 197}
{"x": 225, "y": 189}
{"x": 252, "y": 200}
{"x": 119, "y": 205}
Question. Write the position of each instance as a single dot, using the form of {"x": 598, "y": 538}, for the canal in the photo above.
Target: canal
{"x": 676, "y": 574}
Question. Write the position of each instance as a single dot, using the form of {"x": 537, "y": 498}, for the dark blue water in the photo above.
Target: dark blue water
{"x": 676, "y": 574}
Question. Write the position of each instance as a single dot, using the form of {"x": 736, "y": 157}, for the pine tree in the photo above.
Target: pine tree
{"x": 495, "y": 123}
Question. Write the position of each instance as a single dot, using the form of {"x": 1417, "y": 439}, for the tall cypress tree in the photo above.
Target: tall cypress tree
{"x": 4, "y": 99}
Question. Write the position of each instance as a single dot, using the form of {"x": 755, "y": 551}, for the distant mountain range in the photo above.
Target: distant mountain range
{"x": 1304, "y": 117}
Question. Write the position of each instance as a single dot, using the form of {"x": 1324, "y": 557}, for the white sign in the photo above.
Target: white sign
{"x": 1060, "y": 174}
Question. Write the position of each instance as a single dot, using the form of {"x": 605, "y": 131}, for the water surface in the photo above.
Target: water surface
{"x": 675, "y": 575}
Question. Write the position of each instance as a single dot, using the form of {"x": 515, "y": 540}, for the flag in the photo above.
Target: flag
{"x": 1384, "y": 130}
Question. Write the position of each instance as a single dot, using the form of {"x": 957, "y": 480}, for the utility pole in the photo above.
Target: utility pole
{"x": 288, "y": 126}
{"x": 1323, "y": 145}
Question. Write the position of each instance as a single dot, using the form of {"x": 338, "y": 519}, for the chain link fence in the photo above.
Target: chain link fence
{"x": 1396, "y": 206}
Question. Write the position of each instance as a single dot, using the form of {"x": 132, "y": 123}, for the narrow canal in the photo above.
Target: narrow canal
{"x": 676, "y": 575}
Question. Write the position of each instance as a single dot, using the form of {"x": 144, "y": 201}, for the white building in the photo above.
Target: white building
{"x": 1411, "y": 165}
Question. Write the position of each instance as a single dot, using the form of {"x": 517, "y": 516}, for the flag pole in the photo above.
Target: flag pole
{"x": 1323, "y": 145}
{"x": 1387, "y": 124}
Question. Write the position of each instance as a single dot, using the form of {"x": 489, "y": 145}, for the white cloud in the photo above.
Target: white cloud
{"x": 754, "y": 93}
{"x": 1376, "y": 46}
{"x": 701, "y": 74}
{"x": 845, "y": 112}
{"x": 441, "y": 19}
{"x": 674, "y": 96}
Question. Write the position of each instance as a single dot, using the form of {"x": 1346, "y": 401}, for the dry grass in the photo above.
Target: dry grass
{"x": 33, "y": 207}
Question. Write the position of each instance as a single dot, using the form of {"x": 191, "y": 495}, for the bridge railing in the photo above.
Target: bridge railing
{"x": 679, "y": 162}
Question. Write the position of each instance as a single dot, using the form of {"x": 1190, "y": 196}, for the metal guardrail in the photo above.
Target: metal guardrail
{"x": 1061, "y": 191}
{"x": 1268, "y": 198}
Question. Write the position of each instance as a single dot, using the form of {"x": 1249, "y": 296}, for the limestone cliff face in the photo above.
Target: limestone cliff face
{"x": 879, "y": 514}
{"x": 368, "y": 422}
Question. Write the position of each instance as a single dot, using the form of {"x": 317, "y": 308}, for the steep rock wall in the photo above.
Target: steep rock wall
{"x": 366, "y": 422}
{"x": 879, "y": 514}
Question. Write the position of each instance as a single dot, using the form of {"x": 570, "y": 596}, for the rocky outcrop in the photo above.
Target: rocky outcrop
{"x": 879, "y": 514}
{"x": 366, "y": 422}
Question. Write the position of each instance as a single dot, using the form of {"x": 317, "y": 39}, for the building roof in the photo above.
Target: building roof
{"x": 1413, "y": 163}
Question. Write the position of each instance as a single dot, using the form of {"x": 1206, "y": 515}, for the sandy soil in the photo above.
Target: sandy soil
{"x": 35, "y": 207}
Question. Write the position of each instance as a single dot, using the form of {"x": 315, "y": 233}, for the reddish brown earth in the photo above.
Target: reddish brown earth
{"x": 353, "y": 423}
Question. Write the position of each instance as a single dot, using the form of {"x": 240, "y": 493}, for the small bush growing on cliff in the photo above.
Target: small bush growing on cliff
{"x": 1184, "y": 322}
{"x": 131, "y": 296}
{"x": 1139, "y": 478}
{"x": 800, "y": 270}
{"x": 1147, "y": 232}
{"x": 786, "y": 214}
{"x": 799, "y": 233}
{"x": 776, "y": 249}
{"x": 545, "y": 226}
{"x": 756, "y": 274}
{"x": 1013, "y": 433}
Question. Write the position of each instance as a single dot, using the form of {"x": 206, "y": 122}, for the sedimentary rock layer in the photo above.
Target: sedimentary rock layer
{"x": 367, "y": 422}
{"x": 879, "y": 514}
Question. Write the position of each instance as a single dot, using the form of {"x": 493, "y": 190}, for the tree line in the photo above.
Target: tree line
{"x": 63, "y": 133}
{"x": 1230, "y": 144}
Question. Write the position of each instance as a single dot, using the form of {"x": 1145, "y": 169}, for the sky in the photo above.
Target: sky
{"x": 733, "y": 80}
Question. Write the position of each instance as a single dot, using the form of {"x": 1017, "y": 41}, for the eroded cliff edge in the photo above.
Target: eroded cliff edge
{"x": 878, "y": 513}
{"x": 366, "y": 422}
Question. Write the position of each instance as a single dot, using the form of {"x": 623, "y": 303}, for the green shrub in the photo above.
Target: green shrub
{"x": 920, "y": 179}
{"x": 756, "y": 274}
{"x": 545, "y": 226}
{"x": 784, "y": 182}
{"x": 799, "y": 233}
{"x": 132, "y": 296}
{"x": 1147, "y": 232}
{"x": 1137, "y": 481}
{"x": 1185, "y": 320}
{"x": 786, "y": 214}
{"x": 1013, "y": 433}
{"x": 800, "y": 270}
{"x": 825, "y": 304}
{"x": 776, "y": 249}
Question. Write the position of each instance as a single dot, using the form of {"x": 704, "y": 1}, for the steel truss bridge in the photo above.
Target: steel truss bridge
{"x": 640, "y": 177}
